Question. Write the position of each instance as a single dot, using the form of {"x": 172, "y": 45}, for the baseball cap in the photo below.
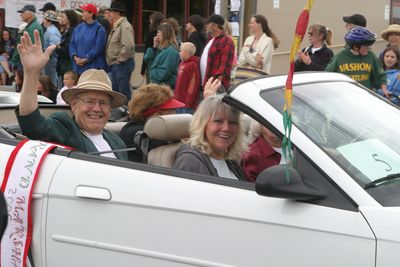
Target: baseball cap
{"x": 90, "y": 8}
{"x": 356, "y": 19}
{"x": 30, "y": 8}
{"x": 48, "y": 6}
{"x": 217, "y": 19}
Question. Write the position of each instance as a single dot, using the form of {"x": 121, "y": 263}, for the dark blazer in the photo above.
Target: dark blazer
{"x": 60, "y": 128}
{"x": 319, "y": 60}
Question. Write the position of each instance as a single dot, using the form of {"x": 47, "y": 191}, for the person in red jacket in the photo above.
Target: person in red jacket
{"x": 187, "y": 85}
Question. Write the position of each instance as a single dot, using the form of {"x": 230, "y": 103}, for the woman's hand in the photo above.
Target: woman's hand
{"x": 305, "y": 58}
{"x": 156, "y": 41}
{"x": 385, "y": 90}
{"x": 259, "y": 61}
{"x": 32, "y": 56}
{"x": 211, "y": 87}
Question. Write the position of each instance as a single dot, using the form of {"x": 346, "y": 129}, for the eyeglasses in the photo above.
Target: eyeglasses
{"x": 91, "y": 102}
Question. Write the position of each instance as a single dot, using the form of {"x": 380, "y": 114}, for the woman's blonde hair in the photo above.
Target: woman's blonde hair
{"x": 210, "y": 107}
{"x": 148, "y": 96}
{"x": 327, "y": 34}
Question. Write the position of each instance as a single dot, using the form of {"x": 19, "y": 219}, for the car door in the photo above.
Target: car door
{"x": 104, "y": 212}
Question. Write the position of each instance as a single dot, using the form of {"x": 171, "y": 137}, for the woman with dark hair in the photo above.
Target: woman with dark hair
{"x": 46, "y": 88}
{"x": 258, "y": 48}
{"x": 68, "y": 21}
{"x": 195, "y": 28}
{"x": 19, "y": 80}
{"x": 163, "y": 57}
{"x": 316, "y": 56}
{"x": 155, "y": 21}
{"x": 7, "y": 46}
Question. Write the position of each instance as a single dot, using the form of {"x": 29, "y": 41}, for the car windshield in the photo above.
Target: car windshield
{"x": 358, "y": 130}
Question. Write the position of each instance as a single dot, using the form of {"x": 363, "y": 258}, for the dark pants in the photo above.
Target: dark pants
{"x": 121, "y": 77}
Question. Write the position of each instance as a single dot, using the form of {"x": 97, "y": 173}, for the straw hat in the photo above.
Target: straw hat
{"x": 94, "y": 80}
{"x": 392, "y": 28}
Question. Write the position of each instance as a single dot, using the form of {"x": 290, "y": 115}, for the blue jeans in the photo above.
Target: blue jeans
{"x": 51, "y": 70}
{"x": 121, "y": 77}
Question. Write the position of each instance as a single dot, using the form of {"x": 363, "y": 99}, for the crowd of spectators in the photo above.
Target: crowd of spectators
{"x": 87, "y": 56}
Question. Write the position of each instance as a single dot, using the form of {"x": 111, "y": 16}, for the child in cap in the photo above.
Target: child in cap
{"x": 187, "y": 87}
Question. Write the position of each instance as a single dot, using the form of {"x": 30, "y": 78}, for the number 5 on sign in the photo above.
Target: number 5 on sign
{"x": 372, "y": 158}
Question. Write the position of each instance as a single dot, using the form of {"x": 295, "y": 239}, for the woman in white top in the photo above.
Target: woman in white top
{"x": 258, "y": 48}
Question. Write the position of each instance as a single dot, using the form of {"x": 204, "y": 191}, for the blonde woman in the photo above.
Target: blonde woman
{"x": 163, "y": 57}
{"x": 316, "y": 56}
{"x": 216, "y": 141}
{"x": 258, "y": 48}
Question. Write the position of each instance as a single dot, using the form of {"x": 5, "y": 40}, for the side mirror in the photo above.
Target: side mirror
{"x": 283, "y": 181}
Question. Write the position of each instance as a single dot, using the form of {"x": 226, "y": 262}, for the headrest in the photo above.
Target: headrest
{"x": 172, "y": 127}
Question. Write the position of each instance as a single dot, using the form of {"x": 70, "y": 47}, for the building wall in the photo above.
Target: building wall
{"x": 283, "y": 22}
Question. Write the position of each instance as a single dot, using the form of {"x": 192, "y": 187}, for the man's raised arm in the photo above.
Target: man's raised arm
{"x": 33, "y": 60}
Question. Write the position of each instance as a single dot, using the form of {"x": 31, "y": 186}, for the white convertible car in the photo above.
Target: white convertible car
{"x": 341, "y": 207}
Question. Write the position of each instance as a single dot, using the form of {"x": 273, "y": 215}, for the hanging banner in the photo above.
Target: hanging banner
{"x": 20, "y": 175}
{"x": 13, "y": 20}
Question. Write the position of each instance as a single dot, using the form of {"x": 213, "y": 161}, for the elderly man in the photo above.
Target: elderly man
{"x": 217, "y": 57}
{"x": 91, "y": 102}
{"x": 120, "y": 51}
{"x": 28, "y": 16}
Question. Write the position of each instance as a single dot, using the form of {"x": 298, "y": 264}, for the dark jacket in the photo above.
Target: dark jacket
{"x": 192, "y": 160}
{"x": 64, "y": 62}
{"x": 199, "y": 40}
{"x": 128, "y": 133}
{"x": 319, "y": 59}
{"x": 148, "y": 42}
{"x": 60, "y": 128}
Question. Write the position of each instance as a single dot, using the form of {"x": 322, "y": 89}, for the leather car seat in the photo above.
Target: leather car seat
{"x": 171, "y": 129}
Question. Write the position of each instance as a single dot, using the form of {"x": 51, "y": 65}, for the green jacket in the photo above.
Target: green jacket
{"x": 163, "y": 65}
{"x": 363, "y": 69}
{"x": 60, "y": 128}
{"x": 30, "y": 28}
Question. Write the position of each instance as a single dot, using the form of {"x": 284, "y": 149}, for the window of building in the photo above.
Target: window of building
{"x": 139, "y": 11}
{"x": 395, "y": 12}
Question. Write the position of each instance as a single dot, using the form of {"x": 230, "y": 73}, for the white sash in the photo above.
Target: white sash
{"x": 19, "y": 178}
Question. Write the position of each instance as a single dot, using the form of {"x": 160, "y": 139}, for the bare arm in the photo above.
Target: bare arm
{"x": 33, "y": 60}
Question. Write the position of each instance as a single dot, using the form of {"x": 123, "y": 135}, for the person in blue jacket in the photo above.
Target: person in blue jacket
{"x": 163, "y": 57}
{"x": 391, "y": 66}
{"x": 87, "y": 46}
